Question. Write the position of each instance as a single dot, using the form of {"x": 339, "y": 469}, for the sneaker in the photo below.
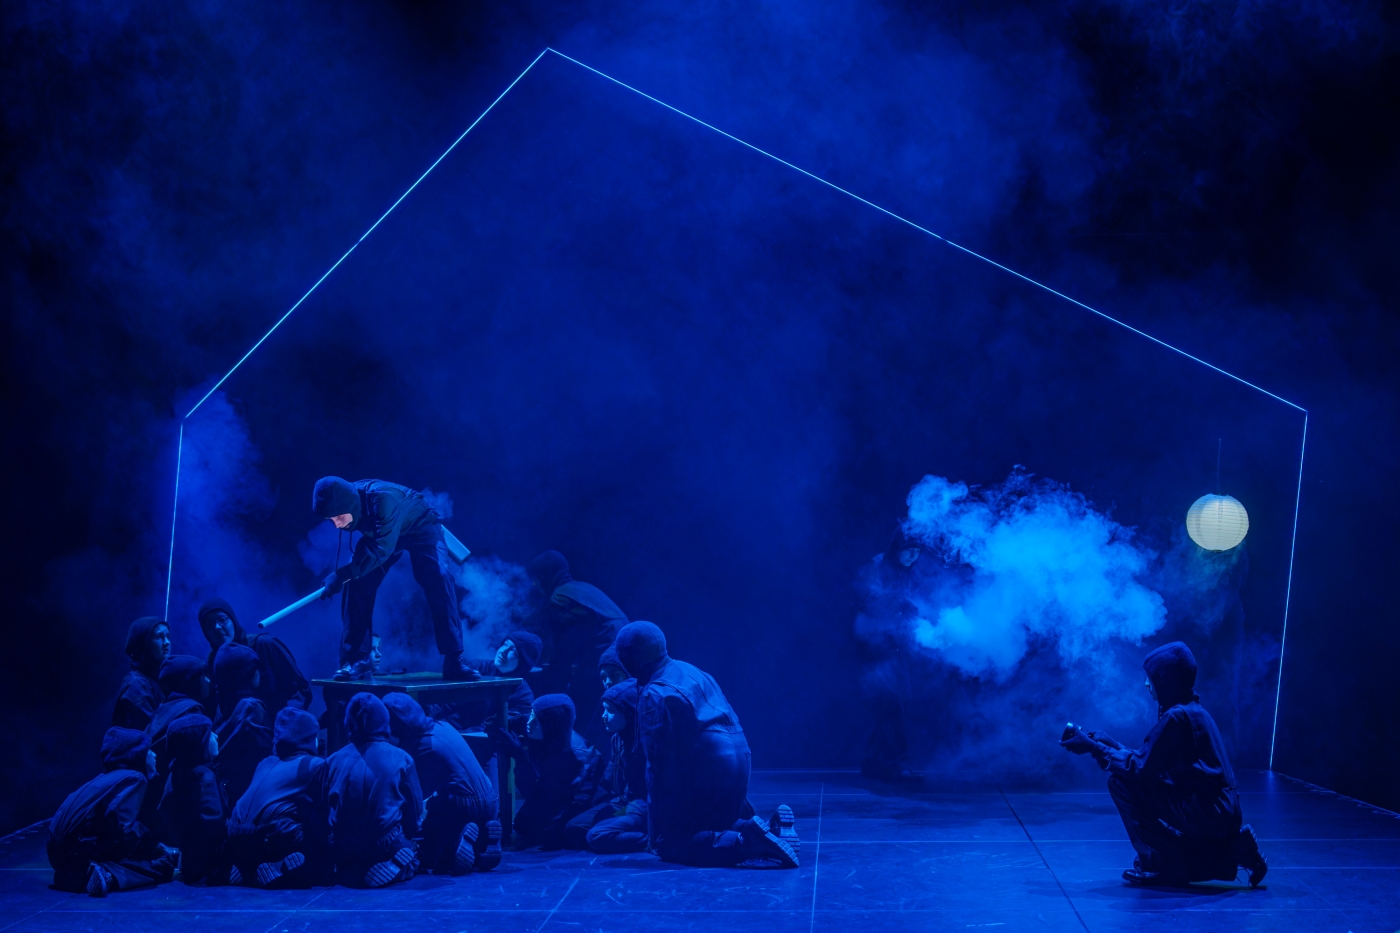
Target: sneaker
{"x": 1155, "y": 879}
{"x": 355, "y": 670}
{"x": 763, "y": 849}
{"x": 490, "y": 857}
{"x": 99, "y": 881}
{"x": 270, "y": 872}
{"x": 465, "y": 856}
{"x": 1250, "y": 857}
{"x": 454, "y": 670}
{"x": 234, "y": 875}
{"x": 784, "y": 825}
{"x": 398, "y": 868}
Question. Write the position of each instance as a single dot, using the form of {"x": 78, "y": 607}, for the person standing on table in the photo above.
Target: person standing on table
{"x": 277, "y": 832}
{"x": 578, "y": 623}
{"x": 461, "y": 829}
{"x": 698, "y": 764}
{"x": 282, "y": 683}
{"x": 1177, "y": 794}
{"x": 97, "y": 842}
{"x": 391, "y": 520}
{"x": 147, "y": 645}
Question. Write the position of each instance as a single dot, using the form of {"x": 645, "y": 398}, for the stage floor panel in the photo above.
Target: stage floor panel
{"x": 970, "y": 853}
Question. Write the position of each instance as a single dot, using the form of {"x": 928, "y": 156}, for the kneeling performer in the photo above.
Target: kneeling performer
{"x": 391, "y": 519}
{"x": 1177, "y": 794}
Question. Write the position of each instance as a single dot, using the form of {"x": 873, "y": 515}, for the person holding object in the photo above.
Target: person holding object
{"x": 1177, "y": 793}
{"x": 391, "y": 520}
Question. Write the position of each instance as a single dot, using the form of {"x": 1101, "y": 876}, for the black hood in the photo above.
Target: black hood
{"x": 125, "y": 749}
{"x": 138, "y": 639}
{"x": 407, "y": 721}
{"x": 549, "y": 571}
{"x": 555, "y": 714}
{"x": 335, "y": 496}
{"x": 642, "y": 648}
{"x": 294, "y": 733}
{"x": 206, "y": 623}
{"x": 181, "y": 675}
{"x": 1172, "y": 670}
{"x": 187, "y": 740}
{"x": 366, "y": 719}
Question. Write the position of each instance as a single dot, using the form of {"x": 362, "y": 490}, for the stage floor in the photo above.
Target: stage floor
{"x": 949, "y": 857}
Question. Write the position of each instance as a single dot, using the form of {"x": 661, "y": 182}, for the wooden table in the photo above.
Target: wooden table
{"x": 428, "y": 689}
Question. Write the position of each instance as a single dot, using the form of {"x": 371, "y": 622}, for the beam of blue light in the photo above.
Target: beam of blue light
{"x": 1288, "y": 593}
{"x": 905, "y": 220}
{"x": 254, "y": 347}
{"x": 174, "y": 510}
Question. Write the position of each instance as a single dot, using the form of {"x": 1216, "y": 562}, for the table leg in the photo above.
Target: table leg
{"x": 335, "y": 720}
{"x": 505, "y": 771}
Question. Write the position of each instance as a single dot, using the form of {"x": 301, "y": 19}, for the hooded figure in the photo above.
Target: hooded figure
{"x": 192, "y": 808}
{"x": 277, "y": 833}
{"x": 185, "y": 683}
{"x": 373, "y": 800}
{"x": 97, "y": 842}
{"x": 1177, "y": 793}
{"x": 558, "y": 772}
{"x": 517, "y": 656}
{"x": 391, "y": 520}
{"x": 281, "y": 682}
{"x": 147, "y": 645}
{"x": 619, "y": 823}
{"x": 698, "y": 764}
{"x": 578, "y": 623}
{"x": 243, "y": 726}
{"x": 460, "y": 826}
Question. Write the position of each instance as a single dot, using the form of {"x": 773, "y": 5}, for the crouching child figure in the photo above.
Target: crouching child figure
{"x": 193, "y": 817}
{"x": 373, "y": 800}
{"x": 618, "y": 824}
{"x": 460, "y": 826}
{"x": 557, "y": 771}
{"x": 1177, "y": 793}
{"x": 277, "y": 833}
{"x": 97, "y": 843}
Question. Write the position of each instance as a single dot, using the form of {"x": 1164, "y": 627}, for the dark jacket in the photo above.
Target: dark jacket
{"x": 371, "y": 785}
{"x": 626, "y": 777}
{"x": 558, "y": 775}
{"x": 181, "y": 679}
{"x": 139, "y": 694}
{"x": 444, "y": 762}
{"x": 387, "y": 513}
{"x": 288, "y": 791}
{"x": 100, "y": 821}
{"x": 578, "y": 620}
{"x": 192, "y": 809}
{"x": 282, "y": 682}
{"x": 245, "y": 739}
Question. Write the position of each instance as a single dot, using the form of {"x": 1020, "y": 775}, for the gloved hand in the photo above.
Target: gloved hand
{"x": 1077, "y": 742}
{"x": 335, "y": 581}
{"x": 1103, "y": 738}
{"x": 506, "y": 741}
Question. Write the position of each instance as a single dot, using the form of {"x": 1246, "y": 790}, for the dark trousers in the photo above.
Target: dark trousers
{"x": 428, "y": 556}
{"x": 1187, "y": 835}
{"x": 445, "y": 818}
{"x": 609, "y": 829}
{"x": 70, "y": 867}
{"x": 352, "y": 862}
{"x": 251, "y": 844}
{"x": 699, "y": 826}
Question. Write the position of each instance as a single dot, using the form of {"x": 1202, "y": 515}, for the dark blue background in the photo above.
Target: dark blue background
{"x": 707, "y": 379}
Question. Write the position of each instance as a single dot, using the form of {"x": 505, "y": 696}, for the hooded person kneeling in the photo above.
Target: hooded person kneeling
{"x": 185, "y": 682}
{"x": 373, "y": 800}
{"x": 277, "y": 833}
{"x": 618, "y": 824}
{"x": 1177, "y": 793}
{"x": 698, "y": 764}
{"x": 97, "y": 842}
{"x": 192, "y": 810}
{"x": 243, "y": 725}
{"x": 460, "y": 825}
{"x": 282, "y": 684}
{"x": 147, "y": 645}
{"x": 558, "y": 772}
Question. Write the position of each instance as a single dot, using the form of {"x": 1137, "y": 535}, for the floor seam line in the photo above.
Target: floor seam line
{"x": 817, "y": 858}
{"x": 573, "y": 884}
{"x": 1031, "y": 839}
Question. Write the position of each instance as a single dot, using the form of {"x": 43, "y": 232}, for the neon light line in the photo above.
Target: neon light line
{"x": 449, "y": 149}
{"x": 1288, "y": 593}
{"x": 905, "y": 220}
{"x": 174, "y": 508}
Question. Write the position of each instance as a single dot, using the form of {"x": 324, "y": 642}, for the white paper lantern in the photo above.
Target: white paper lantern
{"x": 1217, "y": 523}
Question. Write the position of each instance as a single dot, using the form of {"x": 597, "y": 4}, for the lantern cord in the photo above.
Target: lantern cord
{"x": 1288, "y": 591}
{"x": 1219, "y": 445}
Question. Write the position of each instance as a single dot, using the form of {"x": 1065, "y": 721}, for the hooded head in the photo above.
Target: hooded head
{"x": 528, "y": 649}
{"x": 1172, "y": 670}
{"x": 209, "y": 616}
{"x": 624, "y": 697}
{"x": 366, "y": 719}
{"x": 236, "y": 669}
{"x": 334, "y": 496}
{"x": 407, "y": 721}
{"x": 641, "y": 646}
{"x": 125, "y": 749}
{"x": 183, "y": 675}
{"x": 294, "y": 733}
{"x": 549, "y": 571}
{"x": 555, "y": 714}
{"x": 187, "y": 740}
{"x": 145, "y": 655}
